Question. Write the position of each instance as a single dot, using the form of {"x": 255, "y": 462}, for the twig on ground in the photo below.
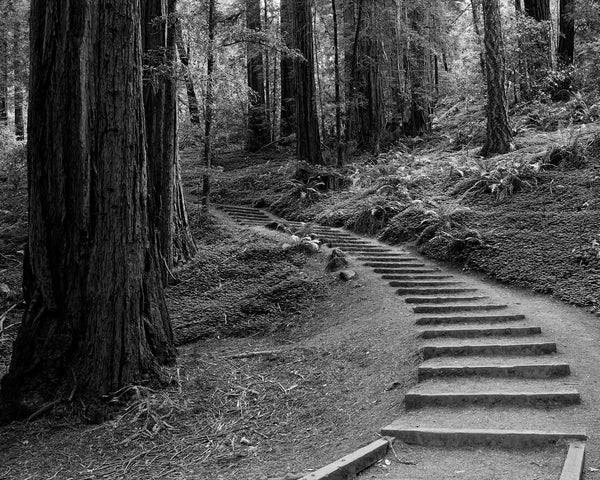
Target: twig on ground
{"x": 252, "y": 354}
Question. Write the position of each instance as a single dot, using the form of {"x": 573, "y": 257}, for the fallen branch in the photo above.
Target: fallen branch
{"x": 252, "y": 354}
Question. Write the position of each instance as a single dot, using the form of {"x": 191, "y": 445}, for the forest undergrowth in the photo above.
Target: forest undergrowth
{"x": 528, "y": 218}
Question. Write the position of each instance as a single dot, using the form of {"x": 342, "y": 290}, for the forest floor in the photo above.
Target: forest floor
{"x": 340, "y": 358}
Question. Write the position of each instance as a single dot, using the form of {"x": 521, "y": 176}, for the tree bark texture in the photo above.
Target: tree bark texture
{"x": 95, "y": 318}
{"x": 288, "y": 97}
{"x": 4, "y": 56}
{"x": 307, "y": 124}
{"x": 184, "y": 57}
{"x": 208, "y": 101}
{"x": 160, "y": 108}
{"x": 258, "y": 129}
{"x": 499, "y": 135}
{"x": 18, "y": 87}
{"x": 418, "y": 120}
{"x": 566, "y": 40}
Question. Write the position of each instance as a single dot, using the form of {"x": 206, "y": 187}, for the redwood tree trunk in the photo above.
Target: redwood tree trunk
{"x": 307, "y": 124}
{"x": 95, "y": 317}
{"x": 499, "y": 135}
{"x": 566, "y": 41}
{"x": 160, "y": 107}
{"x": 288, "y": 97}
{"x": 258, "y": 131}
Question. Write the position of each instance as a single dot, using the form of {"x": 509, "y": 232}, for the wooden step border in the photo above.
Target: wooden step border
{"x": 351, "y": 465}
{"x": 573, "y": 466}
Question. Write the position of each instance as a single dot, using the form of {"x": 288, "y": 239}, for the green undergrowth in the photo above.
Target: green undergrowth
{"x": 242, "y": 282}
{"x": 528, "y": 218}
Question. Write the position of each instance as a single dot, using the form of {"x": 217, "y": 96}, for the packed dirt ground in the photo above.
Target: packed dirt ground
{"x": 338, "y": 360}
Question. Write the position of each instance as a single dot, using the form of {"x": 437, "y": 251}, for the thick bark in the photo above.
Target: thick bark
{"x": 499, "y": 135}
{"x": 258, "y": 131}
{"x": 418, "y": 120}
{"x": 160, "y": 107}
{"x": 184, "y": 57}
{"x": 95, "y": 318}
{"x": 307, "y": 124}
{"x": 288, "y": 97}
{"x": 337, "y": 80}
{"x": 366, "y": 109}
{"x": 18, "y": 88}
{"x": 566, "y": 41}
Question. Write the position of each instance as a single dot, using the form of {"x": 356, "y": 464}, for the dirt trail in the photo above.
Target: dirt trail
{"x": 495, "y": 358}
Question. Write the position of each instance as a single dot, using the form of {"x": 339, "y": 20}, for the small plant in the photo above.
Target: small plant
{"x": 307, "y": 191}
{"x": 442, "y": 220}
{"x": 587, "y": 254}
{"x": 13, "y": 159}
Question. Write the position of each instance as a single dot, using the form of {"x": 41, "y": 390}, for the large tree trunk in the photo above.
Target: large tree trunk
{"x": 18, "y": 74}
{"x": 337, "y": 80}
{"x": 184, "y": 57}
{"x": 258, "y": 131}
{"x": 499, "y": 135}
{"x": 160, "y": 107}
{"x": 307, "y": 124}
{"x": 95, "y": 318}
{"x": 566, "y": 41}
{"x": 418, "y": 66}
{"x": 366, "y": 109}
{"x": 288, "y": 97}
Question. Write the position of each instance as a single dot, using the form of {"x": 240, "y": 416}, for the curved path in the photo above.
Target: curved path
{"x": 492, "y": 373}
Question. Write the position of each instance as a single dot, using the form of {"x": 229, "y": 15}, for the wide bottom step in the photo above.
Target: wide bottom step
{"x": 542, "y": 399}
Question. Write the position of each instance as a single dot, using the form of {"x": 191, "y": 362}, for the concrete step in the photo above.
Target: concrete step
{"x": 415, "y": 276}
{"x": 444, "y": 299}
{"x": 457, "y": 308}
{"x": 397, "y": 262}
{"x": 503, "y": 367}
{"x": 488, "y": 331}
{"x": 515, "y": 439}
{"x": 432, "y": 291}
{"x": 406, "y": 269}
{"x": 454, "y": 319}
{"x": 445, "y": 392}
{"x": 422, "y": 283}
{"x": 472, "y": 347}
{"x": 528, "y": 398}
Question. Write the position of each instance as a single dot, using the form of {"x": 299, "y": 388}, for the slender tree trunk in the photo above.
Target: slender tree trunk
{"x": 4, "y": 56}
{"x": 499, "y": 135}
{"x": 267, "y": 76}
{"x": 307, "y": 124}
{"x": 337, "y": 80}
{"x": 184, "y": 57}
{"x": 566, "y": 41}
{"x": 95, "y": 318}
{"x": 18, "y": 88}
{"x": 475, "y": 6}
{"x": 320, "y": 106}
{"x": 258, "y": 131}
{"x": 288, "y": 97}
{"x": 208, "y": 117}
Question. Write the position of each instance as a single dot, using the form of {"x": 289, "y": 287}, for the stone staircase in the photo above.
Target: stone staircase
{"x": 478, "y": 355}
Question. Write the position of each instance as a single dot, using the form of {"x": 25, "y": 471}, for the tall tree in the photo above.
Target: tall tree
{"x": 288, "y": 108}
{"x": 566, "y": 41}
{"x": 165, "y": 196}
{"x": 499, "y": 135}
{"x": 307, "y": 124}
{"x": 258, "y": 131}
{"x": 184, "y": 57}
{"x": 337, "y": 80}
{"x": 95, "y": 318}
{"x": 4, "y": 56}
{"x": 17, "y": 56}
{"x": 209, "y": 99}
{"x": 366, "y": 109}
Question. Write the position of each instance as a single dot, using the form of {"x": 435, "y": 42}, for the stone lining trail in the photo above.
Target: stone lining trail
{"x": 476, "y": 352}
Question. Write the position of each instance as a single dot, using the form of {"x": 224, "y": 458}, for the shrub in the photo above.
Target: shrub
{"x": 13, "y": 159}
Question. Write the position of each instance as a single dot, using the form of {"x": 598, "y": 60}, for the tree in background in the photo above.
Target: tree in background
{"x": 258, "y": 131}
{"x": 307, "y": 124}
{"x": 499, "y": 135}
{"x": 566, "y": 40}
{"x": 95, "y": 318}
